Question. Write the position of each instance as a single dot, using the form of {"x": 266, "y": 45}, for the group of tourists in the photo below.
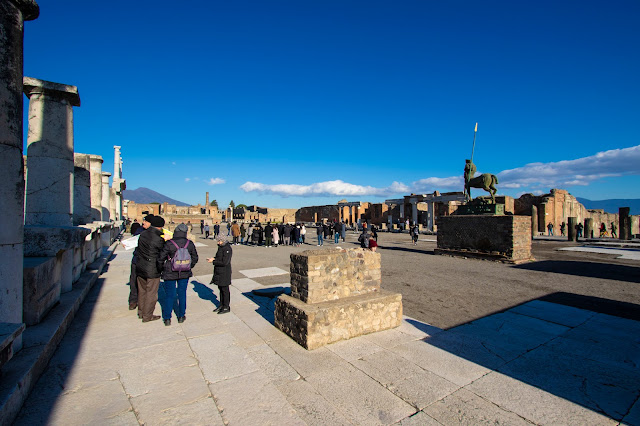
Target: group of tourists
{"x": 580, "y": 227}
{"x": 171, "y": 261}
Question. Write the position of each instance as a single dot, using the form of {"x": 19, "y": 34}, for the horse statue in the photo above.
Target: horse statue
{"x": 485, "y": 181}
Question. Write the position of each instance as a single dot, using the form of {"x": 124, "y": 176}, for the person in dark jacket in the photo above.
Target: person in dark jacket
{"x": 180, "y": 279}
{"x": 148, "y": 268}
{"x": 268, "y": 234}
{"x": 133, "y": 278}
{"x": 134, "y": 227}
{"x": 222, "y": 273}
{"x": 320, "y": 233}
{"x": 286, "y": 232}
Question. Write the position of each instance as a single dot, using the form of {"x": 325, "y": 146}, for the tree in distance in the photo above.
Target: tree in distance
{"x": 214, "y": 203}
{"x": 241, "y": 206}
{"x": 232, "y": 204}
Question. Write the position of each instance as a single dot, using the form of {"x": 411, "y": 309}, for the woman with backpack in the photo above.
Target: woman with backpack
{"x": 179, "y": 256}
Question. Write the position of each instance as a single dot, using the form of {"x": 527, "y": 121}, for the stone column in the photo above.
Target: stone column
{"x": 534, "y": 221}
{"x": 118, "y": 184}
{"x": 49, "y": 193}
{"x": 571, "y": 231}
{"x": 113, "y": 202}
{"x": 414, "y": 210}
{"x": 350, "y": 215}
{"x": 106, "y": 197}
{"x": 95, "y": 162}
{"x": 624, "y": 223}
{"x": 206, "y": 204}
{"x": 588, "y": 228}
{"x": 82, "y": 189}
{"x": 390, "y": 216}
{"x": 13, "y": 13}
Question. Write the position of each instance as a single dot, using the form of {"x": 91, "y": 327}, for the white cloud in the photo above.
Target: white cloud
{"x": 431, "y": 184}
{"x": 215, "y": 181}
{"x": 173, "y": 163}
{"x": 581, "y": 171}
{"x": 536, "y": 178}
{"x": 329, "y": 188}
{"x": 187, "y": 179}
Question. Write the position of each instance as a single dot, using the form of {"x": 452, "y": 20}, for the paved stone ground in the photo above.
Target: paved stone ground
{"x": 516, "y": 359}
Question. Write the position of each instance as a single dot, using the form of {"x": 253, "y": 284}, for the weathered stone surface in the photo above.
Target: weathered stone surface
{"x": 318, "y": 324}
{"x": 321, "y": 275}
{"x": 41, "y": 241}
{"x": 503, "y": 238}
{"x": 8, "y": 334}
{"x": 41, "y": 287}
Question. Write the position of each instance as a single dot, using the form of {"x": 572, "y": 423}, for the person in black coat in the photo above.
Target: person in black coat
{"x": 176, "y": 279}
{"x": 222, "y": 273}
{"x": 133, "y": 278}
{"x": 149, "y": 267}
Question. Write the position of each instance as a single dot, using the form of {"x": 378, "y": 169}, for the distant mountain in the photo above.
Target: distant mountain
{"x": 611, "y": 206}
{"x": 148, "y": 196}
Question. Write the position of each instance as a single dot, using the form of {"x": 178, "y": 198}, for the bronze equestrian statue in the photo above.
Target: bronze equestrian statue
{"x": 485, "y": 181}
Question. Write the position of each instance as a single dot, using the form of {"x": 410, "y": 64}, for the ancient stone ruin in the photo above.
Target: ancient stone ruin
{"x": 336, "y": 295}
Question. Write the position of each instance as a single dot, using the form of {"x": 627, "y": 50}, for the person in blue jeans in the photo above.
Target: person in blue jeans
{"x": 320, "y": 231}
{"x": 174, "y": 282}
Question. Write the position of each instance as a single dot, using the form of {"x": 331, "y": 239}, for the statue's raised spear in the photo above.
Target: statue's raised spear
{"x": 474, "y": 141}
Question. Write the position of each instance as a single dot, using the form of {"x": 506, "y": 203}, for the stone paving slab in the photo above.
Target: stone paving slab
{"x": 263, "y": 272}
{"x": 620, "y": 253}
{"x": 553, "y": 312}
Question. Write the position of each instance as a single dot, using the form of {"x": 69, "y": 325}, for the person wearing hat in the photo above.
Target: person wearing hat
{"x": 133, "y": 278}
{"x": 172, "y": 279}
{"x": 148, "y": 268}
{"x": 222, "y": 273}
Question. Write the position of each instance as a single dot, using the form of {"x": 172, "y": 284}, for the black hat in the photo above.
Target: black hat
{"x": 156, "y": 221}
{"x": 148, "y": 218}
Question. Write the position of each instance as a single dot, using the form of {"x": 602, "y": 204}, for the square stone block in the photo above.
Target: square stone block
{"x": 42, "y": 285}
{"x": 318, "y": 324}
{"x": 323, "y": 275}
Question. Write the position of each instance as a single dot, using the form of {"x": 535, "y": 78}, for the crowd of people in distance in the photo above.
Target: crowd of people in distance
{"x": 580, "y": 227}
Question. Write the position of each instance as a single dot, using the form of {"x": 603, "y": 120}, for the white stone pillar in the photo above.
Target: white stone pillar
{"x": 96, "y": 187}
{"x": 118, "y": 182}
{"x": 350, "y": 215}
{"x": 12, "y": 17}
{"x": 113, "y": 202}
{"x": 414, "y": 210}
{"x": 49, "y": 193}
{"x": 106, "y": 197}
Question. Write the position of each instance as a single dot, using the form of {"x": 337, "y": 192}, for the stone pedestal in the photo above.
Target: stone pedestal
{"x": 624, "y": 223}
{"x": 501, "y": 238}
{"x": 336, "y": 295}
{"x": 588, "y": 229}
{"x": 13, "y": 13}
{"x": 50, "y": 163}
{"x": 534, "y": 221}
{"x": 571, "y": 228}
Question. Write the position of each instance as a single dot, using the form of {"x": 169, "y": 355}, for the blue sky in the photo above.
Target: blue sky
{"x": 297, "y": 103}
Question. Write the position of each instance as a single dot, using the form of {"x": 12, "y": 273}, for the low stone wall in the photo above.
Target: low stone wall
{"x": 504, "y": 238}
{"x": 336, "y": 295}
{"x": 55, "y": 258}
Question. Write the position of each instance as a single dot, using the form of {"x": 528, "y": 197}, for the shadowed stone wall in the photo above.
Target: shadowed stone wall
{"x": 503, "y": 238}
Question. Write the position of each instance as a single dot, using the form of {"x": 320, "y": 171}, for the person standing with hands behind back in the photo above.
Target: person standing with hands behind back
{"x": 222, "y": 273}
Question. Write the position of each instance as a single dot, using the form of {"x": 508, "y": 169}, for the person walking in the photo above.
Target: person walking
{"x": 550, "y": 229}
{"x": 303, "y": 233}
{"x": 415, "y": 232}
{"x": 249, "y": 233}
{"x": 343, "y": 231}
{"x": 287, "y": 235}
{"x": 206, "y": 231}
{"x": 320, "y": 233}
{"x": 201, "y": 227}
{"x": 295, "y": 235}
{"x": 216, "y": 230}
{"x": 275, "y": 235}
{"x": 614, "y": 230}
{"x": 563, "y": 227}
{"x": 176, "y": 276}
{"x": 336, "y": 232}
{"x": 148, "y": 268}
{"x": 222, "y": 273}
{"x": 228, "y": 228}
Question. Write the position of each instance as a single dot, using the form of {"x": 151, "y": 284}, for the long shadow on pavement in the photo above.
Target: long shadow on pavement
{"x": 554, "y": 344}
{"x": 605, "y": 271}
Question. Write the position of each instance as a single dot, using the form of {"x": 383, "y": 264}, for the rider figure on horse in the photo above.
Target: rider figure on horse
{"x": 469, "y": 172}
